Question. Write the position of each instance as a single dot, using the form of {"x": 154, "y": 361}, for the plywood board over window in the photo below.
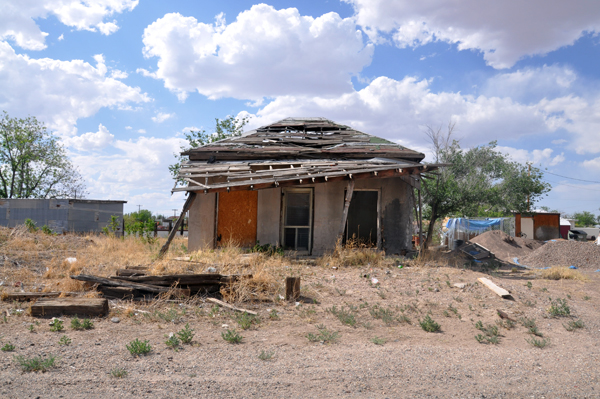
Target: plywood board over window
{"x": 236, "y": 218}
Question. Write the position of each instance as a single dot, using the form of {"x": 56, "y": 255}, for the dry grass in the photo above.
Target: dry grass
{"x": 439, "y": 258}
{"x": 562, "y": 273}
{"x": 353, "y": 253}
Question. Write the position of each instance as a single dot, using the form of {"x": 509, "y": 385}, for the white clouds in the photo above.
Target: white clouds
{"x": 264, "y": 53}
{"x": 59, "y": 92}
{"x": 141, "y": 131}
{"x": 161, "y": 117}
{"x": 400, "y": 109}
{"x": 142, "y": 162}
{"x": 593, "y": 165}
{"x": 537, "y": 157}
{"x": 91, "y": 141}
{"x": 17, "y": 18}
{"x": 61, "y": 37}
{"x": 505, "y": 31}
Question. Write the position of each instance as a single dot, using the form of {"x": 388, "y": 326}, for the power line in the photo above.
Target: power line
{"x": 572, "y": 178}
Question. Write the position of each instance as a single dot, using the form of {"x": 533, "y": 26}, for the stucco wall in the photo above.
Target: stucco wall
{"x": 395, "y": 203}
{"x": 269, "y": 210}
{"x": 201, "y": 228}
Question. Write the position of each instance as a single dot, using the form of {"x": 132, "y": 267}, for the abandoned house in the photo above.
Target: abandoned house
{"x": 303, "y": 184}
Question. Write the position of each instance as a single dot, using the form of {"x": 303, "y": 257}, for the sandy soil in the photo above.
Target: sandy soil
{"x": 411, "y": 363}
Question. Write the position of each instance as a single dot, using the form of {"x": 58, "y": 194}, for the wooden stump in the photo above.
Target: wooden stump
{"x": 70, "y": 306}
{"x": 292, "y": 288}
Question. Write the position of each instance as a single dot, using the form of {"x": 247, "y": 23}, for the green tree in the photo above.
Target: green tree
{"x": 476, "y": 181}
{"x": 584, "y": 219}
{"x": 224, "y": 128}
{"x": 33, "y": 164}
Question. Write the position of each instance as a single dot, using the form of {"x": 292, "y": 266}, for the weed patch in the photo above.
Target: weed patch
{"x": 266, "y": 355}
{"x": 118, "y": 372}
{"x": 429, "y": 325}
{"x": 64, "y": 341}
{"x": 324, "y": 335}
{"x": 232, "y": 336}
{"x": 574, "y": 325}
{"x": 8, "y": 347}
{"x": 378, "y": 341}
{"x": 85, "y": 324}
{"x": 559, "y": 308}
{"x": 345, "y": 316}
{"x": 186, "y": 335}
{"x": 246, "y": 321}
{"x": 137, "y": 347}
{"x": 56, "y": 325}
{"x": 538, "y": 343}
{"x": 36, "y": 363}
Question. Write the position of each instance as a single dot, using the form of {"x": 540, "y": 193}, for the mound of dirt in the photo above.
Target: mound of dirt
{"x": 584, "y": 255}
{"x": 505, "y": 247}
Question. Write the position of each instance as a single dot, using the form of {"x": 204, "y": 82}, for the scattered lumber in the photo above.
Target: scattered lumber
{"x": 145, "y": 288}
{"x": 228, "y": 306}
{"x": 504, "y": 315}
{"x": 28, "y": 296}
{"x": 497, "y": 290}
{"x": 196, "y": 283}
{"x": 475, "y": 251}
{"x": 131, "y": 272}
{"x": 292, "y": 288}
{"x": 70, "y": 306}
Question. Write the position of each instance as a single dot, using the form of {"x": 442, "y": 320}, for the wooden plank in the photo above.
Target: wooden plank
{"x": 497, "y": 290}
{"x": 349, "y": 192}
{"x": 117, "y": 292}
{"x": 70, "y": 306}
{"x": 228, "y": 306}
{"x": 28, "y": 296}
{"x": 292, "y": 288}
{"x": 188, "y": 203}
{"x": 168, "y": 280}
{"x": 130, "y": 272}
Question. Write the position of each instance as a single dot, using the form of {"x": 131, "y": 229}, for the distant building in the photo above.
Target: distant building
{"x": 62, "y": 215}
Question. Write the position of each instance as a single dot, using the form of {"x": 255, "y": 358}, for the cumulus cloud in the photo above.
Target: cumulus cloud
{"x": 17, "y": 19}
{"x": 91, "y": 141}
{"x": 399, "y": 110}
{"x": 161, "y": 117}
{"x": 141, "y": 131}
{"x": 59, "y": 92}
{"x": 593, "y": 165}
{"x": 137, "y": 163}
{"x": 264, "y": 53}
{"x": 504, "y": 31}
{"x": 61, "y": 37}
{"x": 538, "y": 157}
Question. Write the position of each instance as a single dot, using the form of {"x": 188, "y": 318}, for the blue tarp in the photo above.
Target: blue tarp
{"x": 463, "y": 224}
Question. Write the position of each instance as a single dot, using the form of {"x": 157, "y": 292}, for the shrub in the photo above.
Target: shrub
{"x": 264, "y": 355}
{"x": 538, "y": 343}
{"x": 385, "y": 315}
{"x": 36, "y": 363}
{"x": 232, "y": 336}
{"x": 346, "y": 316}
{"x": 273, "y": 315}
{"x": 173, "y": 342}
{"x": 77, "y": 324}
{"x": 324, "y": 335}
{"x": 64, "y": 340}
{"x": 559, "y": 308}
{"x": 574, "y": 325}
{"x": 8, "y": 347}
{"x": 56, "y": 325}
{"x": 118, "y": 372}
{"x": 245, "y": 320}
{"x": 429, "y": 325}
{"x": 378, "y": 341}
{"x": 186, "y": 335}
{"x": 137, "y": 347}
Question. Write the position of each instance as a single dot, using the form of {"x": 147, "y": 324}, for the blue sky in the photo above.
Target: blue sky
{"x": 120, "y": 81}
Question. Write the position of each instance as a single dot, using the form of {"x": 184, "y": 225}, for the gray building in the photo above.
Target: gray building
{"x": 303, "y": 184}
{"x": 62, "y": 215}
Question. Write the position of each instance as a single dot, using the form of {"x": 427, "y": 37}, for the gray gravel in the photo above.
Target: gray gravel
{"x": 585, "y": 255}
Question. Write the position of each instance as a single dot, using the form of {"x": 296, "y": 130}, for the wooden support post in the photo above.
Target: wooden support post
{"x": 349, "y": 192}
{"x": 182, "y": 223}
{"x": 292, "y": 288}
{"x": 421, "y": 244}
{"x": 155, "y": 228}
{"x": 188, "y": 204}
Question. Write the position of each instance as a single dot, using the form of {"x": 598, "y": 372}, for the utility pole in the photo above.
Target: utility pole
{"x": 174, "y": 212}
{"x": 139, "y": 208}
{"x": 528, "y": 174}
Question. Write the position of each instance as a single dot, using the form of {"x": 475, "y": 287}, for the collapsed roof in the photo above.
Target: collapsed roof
{"x": 295, "y": 151}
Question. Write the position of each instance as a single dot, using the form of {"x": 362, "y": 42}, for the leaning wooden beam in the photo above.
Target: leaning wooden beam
{"x": 228, "y": 306}
{"x": 188, "y": 204}
{"x": 70, "y": 306}
{"x": 349, "y": 192}
{"x": 497, "y": 290}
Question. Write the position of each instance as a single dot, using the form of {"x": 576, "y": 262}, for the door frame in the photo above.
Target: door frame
{"x": 379, "y": 239}
{"x": 309, "y": 190}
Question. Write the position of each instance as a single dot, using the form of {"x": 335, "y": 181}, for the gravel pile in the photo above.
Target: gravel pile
{"x": 506, "y": 247}
{"x": 584, "y": 255}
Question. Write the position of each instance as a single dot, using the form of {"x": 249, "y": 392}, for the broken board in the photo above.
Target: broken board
{"x": 497, "y": 290}
{"x": 70, "y": 306}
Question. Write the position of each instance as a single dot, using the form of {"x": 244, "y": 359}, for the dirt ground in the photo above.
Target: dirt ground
{"x": 406, "y": 361}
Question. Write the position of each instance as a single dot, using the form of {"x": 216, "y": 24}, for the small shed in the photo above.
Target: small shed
{"x": 62, "y": 215}
{"x": 541, "y": 226}
{"x": 303, "y": 184}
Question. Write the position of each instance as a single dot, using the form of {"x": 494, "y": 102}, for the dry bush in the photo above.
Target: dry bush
{"x": 353, "y": 253}
{"x": 562, "y": 273}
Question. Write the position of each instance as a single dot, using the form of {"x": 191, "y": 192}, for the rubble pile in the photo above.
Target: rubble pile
{"x": 583, "y": 255}
{"x": 505, "y": 247}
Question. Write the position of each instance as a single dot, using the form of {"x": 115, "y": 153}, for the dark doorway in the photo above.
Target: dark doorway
{"x": 361, "y": 225}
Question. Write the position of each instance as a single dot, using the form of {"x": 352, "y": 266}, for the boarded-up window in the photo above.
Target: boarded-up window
{"x": 236, "y": 218}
